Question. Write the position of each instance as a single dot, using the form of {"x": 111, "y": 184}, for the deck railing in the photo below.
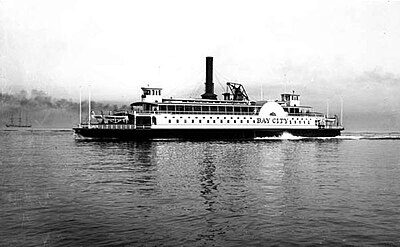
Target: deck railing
{"x": 109, "y": 126}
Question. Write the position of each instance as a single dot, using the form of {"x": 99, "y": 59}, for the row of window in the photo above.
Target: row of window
{"x": 232, "y": 121}
{"x": 251, "y": 118}
{"x": 206, "y": 109}
{"x": 152, "y": 92}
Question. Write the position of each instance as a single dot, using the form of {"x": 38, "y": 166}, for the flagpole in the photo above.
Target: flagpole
{"x": 80, "y": 106}
{"x": 89, "y": 107}
{"x": 327, "y": 109}
{"x": 341, "y": 111}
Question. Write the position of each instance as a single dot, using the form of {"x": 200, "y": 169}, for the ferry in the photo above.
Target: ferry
{"x": 234, "y": 116}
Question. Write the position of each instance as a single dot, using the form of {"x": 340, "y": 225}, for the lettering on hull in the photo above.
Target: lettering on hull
{"x": 274, "y": 120}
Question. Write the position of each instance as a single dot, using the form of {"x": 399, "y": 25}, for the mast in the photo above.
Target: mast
{"x": 327, "y": 109}
{"x": 20, "y": 118}
{"x": 341, "y": 111}
{"x": 80, "y": 106}
{"x": 89, "y": 107}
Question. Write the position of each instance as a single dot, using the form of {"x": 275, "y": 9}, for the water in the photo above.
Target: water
{"x": 289, "y": 191}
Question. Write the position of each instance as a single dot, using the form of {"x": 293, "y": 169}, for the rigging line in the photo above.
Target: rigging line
{"x": 219, "y": 82}
{"x": 221, "y": 75}
{"x": 198, "y": 86}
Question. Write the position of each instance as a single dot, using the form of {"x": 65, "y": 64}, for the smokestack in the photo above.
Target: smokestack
{"x": 209, "y": 93}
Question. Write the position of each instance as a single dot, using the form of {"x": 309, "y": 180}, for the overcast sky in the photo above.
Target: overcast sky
{"x": 326, "y": 49}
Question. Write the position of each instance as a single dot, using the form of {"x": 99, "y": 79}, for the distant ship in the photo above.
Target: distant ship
{"x": 233, "y": 117}
{"x": 19, "y": 123}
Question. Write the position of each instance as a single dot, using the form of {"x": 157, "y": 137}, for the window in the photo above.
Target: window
{"x": 245, "y": 110}
{"x": 188, "y": 108}
{"x": 179, "y": 108}
{"x": 193, "y": 121}
{"x": 169, "y": 121}
{"x": 177, "y": 121}
{"x": 171, "y": 108}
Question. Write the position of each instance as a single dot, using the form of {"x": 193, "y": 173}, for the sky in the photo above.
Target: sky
{"x": 324, "y": 50}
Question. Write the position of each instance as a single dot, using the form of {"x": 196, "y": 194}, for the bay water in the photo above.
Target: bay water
{"x": 56, "y": 190}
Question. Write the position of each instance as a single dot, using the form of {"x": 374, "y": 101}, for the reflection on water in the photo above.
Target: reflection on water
{"x": 59, "y": 191}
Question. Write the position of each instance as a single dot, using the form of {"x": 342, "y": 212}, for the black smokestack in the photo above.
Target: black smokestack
{"x": 209, "y": 93}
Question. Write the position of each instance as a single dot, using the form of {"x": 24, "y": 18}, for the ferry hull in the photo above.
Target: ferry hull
{"x": 200, "y": 134}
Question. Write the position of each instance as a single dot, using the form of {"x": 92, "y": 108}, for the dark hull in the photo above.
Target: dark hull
{"x": 200, "y": 134}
